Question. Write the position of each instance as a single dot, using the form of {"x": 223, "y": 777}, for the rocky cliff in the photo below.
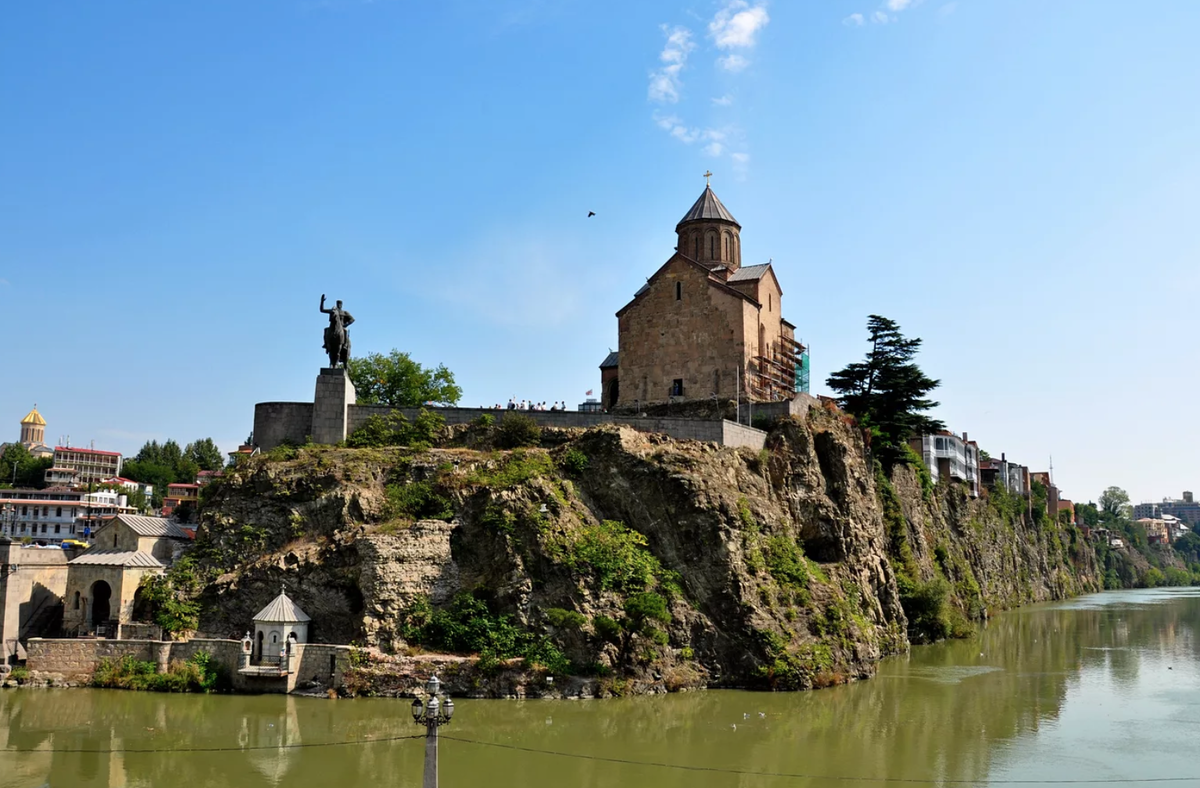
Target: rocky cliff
{"x": 626, "y": 555}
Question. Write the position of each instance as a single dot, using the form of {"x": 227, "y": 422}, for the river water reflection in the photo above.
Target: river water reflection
{"x": 1105, "y": 687}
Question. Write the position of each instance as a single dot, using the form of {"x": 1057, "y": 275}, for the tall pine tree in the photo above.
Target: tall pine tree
{"x": 887, "y": 391}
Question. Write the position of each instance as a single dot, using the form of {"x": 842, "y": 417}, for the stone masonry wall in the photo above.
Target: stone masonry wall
{"x": 27, "y": 592}
{"x": 678, "y": 428}
{"x": 76, "y": 660}
{"x": 276, "y": 423}
{"x": 700, "y": 337}
{"x": 279, "y": 422}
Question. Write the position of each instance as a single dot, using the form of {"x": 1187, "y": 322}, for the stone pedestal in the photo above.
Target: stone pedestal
{"x": 331, "y": 406}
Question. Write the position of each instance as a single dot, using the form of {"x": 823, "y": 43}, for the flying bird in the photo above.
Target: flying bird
{"x": 591, "y": 214}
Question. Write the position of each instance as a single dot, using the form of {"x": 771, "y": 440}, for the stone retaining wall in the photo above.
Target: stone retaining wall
{"x": 75, "y": 660}
{"x": 281, "y": 422}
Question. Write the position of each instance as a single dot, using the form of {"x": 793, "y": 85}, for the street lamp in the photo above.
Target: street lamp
{"x": 432, "y": 714}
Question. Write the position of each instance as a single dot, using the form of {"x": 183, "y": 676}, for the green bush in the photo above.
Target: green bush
{"x": 518, "y": 468}
{"x": 395, "y": 429}
{"x": 417, "y": 501}
{"x": 159, "y": 600}
{"x": 607, "y": 629}
{"x": 559, "y": 618}
{"x": 575, "y": 462}
{"x": 198, "y": 674}
{"x": 925, "y": 605}
{"x": 786, "y": 563}
{"x": 467, "y": 626}
{"x": 611, "y": 553}
{"x": 516, "y": 430}
{"x": 485, "y": 420}
{"x": 19, "y": 674}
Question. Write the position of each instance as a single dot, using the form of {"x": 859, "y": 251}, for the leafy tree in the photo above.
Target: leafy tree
{"x": 1188, "y": 547}
{"x": 398, "y": 381}
{"x": 1089, "y": 513}
{"x": 30, "y": 471}
{"x": 1115, "y": 503}
{"x": 205, "y": 454}
{"x": 887, "y": 391}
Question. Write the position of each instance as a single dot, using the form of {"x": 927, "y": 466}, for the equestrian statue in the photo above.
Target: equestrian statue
{"x": 337, "y": 338}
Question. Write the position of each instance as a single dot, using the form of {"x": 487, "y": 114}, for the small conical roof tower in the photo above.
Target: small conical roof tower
{"x": 709, "y": 234}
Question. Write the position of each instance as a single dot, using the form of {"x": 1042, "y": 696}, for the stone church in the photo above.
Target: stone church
{"x": 704, "y": 326}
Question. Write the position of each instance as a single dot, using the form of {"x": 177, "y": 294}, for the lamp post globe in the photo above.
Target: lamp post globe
{"x": 433, "y": 686}
{"x": 417, "y": 709}
{"x": 448, "y": 709}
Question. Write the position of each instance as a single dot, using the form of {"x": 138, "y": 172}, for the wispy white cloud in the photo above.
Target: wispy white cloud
{"x": 674, "y": 125}
{"x": 898, "y": 5}
{"x": 879, "y": 18}
{"x": 738, "y": 24}
{"x": 734, "y": 63}
{"x": 854, "y": 20}
{"x": 665, "y": 82}
{"x": 4, "y": 283}
{"x": 733, "y": 32}
{"x": 947, "y": 9}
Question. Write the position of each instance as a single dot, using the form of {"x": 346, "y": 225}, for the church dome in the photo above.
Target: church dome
{"x": 709, "y": 234}
{"x": 708, "y": 209}
{"x": 34, "y": 419}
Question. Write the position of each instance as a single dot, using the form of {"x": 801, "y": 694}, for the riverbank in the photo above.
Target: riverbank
{"x": 639, "y": 561}
{"x": 1101, "y": 687}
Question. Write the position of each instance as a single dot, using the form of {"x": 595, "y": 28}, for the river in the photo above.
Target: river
{"x": 1101, "y": 688}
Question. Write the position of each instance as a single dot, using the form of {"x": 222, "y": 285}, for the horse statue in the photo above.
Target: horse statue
{"x": 337, "y": 338}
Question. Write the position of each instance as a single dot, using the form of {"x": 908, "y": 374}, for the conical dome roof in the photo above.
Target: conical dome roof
{"x": 708, "y": 208}
{"x": 282, "y": 610}
{"x": 33, "y": 418}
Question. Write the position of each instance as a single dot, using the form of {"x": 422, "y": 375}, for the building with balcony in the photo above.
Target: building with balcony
{"x": 1012, "y": 477}
{"x": 947, "y": 456}
{"x": 179, "y": 494}
{"x": 90, "y": 466}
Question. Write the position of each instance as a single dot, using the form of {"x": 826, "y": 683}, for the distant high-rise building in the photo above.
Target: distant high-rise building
{"x": 1185, "y": 508}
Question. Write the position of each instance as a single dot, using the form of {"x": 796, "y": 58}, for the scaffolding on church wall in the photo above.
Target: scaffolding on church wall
{"x": 802, "y": 370}
{"x": 778, "y": 376}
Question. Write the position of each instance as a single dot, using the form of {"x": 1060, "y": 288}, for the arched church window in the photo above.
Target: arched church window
{"x": 712, "y": 246}
{"x": 679, "y": 291}
{"x": 696, "y": 246}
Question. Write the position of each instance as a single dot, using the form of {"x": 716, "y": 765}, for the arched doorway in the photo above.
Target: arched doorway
{"x": 101, "y": 598}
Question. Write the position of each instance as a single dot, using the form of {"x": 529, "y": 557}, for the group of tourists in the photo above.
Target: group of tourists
{"x": 524, "y": 404}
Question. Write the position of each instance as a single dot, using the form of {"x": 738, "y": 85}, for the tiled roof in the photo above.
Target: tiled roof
{"x": 708, "y": 208}
{"x": 749, "y": 273}
{"x": 282, "y": 610}
{"x": 88, "y": 451}
{"x": 610, "y": 361}
{"x": 137, "y": 558}
{"x": 152, "y": 526}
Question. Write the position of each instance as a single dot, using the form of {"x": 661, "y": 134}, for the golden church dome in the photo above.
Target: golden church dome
{"x": 34, "y": 418}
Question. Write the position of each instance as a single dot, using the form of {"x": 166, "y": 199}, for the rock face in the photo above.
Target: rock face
{"x": 789, "y": 568}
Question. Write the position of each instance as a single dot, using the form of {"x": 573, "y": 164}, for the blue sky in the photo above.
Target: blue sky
{"x": 1014, "y": 181}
